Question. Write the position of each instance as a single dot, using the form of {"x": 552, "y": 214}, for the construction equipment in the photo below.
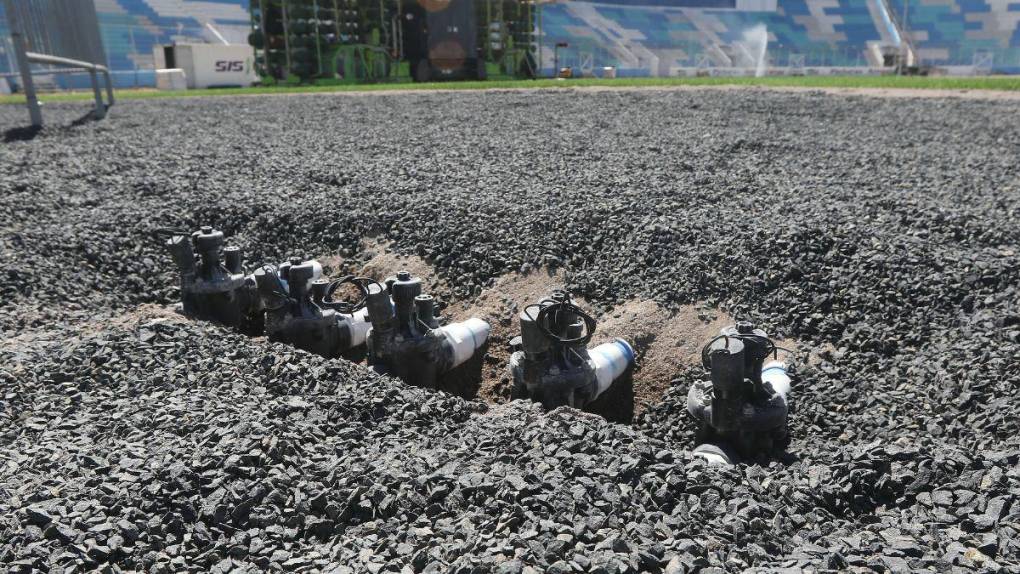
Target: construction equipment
{"x": 215, "y": 287}
{"x": 742, "y": 410}
{"x": 550, "y": 362}
{"x": 406, "y": 339}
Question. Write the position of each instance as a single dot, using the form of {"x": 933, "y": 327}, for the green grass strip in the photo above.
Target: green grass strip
{"x": 998, "y": 83}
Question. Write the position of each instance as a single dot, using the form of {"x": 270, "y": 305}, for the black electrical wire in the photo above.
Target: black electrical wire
{"x": 565, "y": 306}
{"x": 777, "y": 348}
{"x": 347, "y": 307}
{"x": 426, "y": 328}
{"x": 706, "y": 359}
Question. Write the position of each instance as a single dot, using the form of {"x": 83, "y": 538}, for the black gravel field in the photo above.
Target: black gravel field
{"x": 881, "y": 232}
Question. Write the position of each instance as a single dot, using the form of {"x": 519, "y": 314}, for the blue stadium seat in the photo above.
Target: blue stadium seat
{"x": 638, "y": 37}
{"x": 668, "y": 33}
{"x": 957, "y": 32}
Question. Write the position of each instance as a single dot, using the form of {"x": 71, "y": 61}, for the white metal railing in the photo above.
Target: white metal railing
{"x": 92, "y": 69}
{"x": 69, "y": 29}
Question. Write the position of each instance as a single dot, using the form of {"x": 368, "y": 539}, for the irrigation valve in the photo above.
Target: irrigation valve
{"x": 551, "y": 363}
{"x": 214, "y": 286}
{"x": 742, "y": 409}
{"x": 406, "y": 338}
{"x": 300, "y": 309}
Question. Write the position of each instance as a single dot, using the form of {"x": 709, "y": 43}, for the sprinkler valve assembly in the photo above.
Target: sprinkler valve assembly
{"x": 215, "y": 287}
{"x": 741, "y": 411}
{"x": 300, "y": 310}
{"x": 551, "y": 364}
{"x": 406, "y": 338}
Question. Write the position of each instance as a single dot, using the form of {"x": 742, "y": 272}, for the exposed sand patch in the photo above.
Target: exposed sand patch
{"x": 145, "y": 314}
{"x": 663, "y": 342}
{"x": 382, "y": 262}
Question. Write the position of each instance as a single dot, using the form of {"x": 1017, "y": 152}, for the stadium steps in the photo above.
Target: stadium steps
{"x": 655, "y": 38}
{"x": 957, "y": 32}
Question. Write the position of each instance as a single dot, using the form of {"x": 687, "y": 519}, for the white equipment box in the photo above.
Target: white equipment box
{"x": 209, "y": 65}
{"x": 171, "y": 79}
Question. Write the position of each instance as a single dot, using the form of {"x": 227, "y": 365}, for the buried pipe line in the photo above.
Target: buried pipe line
{"x": 741, "y": 410}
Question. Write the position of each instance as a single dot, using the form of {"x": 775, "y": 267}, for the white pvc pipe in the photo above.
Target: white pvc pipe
{"x": 216, "y": 33}
{"x": 774, "y": 373}
{"x": 360, "y": 325}
{"x": 713, "y": 454}
{"x": 611, "y": 361}
{"x": 465, "y": 338}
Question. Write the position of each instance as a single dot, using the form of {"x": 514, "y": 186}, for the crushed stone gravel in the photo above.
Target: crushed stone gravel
{"x": 881, "y": 232}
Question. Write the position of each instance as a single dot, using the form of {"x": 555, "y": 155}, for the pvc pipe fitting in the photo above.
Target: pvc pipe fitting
{"x": 714, "y": 454}
{"x": 611, "y": 361}
{"x": 360, "y": 326}
{"x": 465, "y": 338}
{"x": 775, "y": 373}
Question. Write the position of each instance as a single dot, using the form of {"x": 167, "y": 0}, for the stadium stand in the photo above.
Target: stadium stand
{"x": 963, "y": 32}
{"x": 642, "y": 37}
{"x": 131, "y": 28}
{"x": 638, "y": 37}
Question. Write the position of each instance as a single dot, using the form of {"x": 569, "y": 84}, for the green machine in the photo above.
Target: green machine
{"x": 366, "y": 41}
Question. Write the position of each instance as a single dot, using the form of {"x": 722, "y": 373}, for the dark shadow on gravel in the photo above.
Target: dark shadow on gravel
{"x": 28, "y": 133}
{"x": 616, "y": 404}
{"x": 21, "y": 134}
{"x": 89, "y": 116}
{"x": 465, "y": 380}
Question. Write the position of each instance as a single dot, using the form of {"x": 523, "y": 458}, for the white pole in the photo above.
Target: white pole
{"x": 21, "y": 55}
{"x": 217, "y": 33}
